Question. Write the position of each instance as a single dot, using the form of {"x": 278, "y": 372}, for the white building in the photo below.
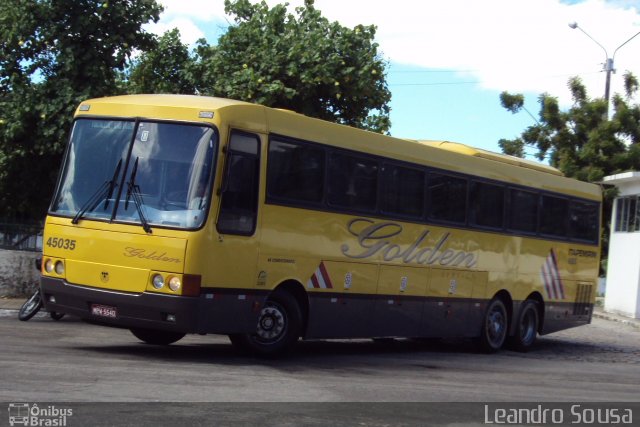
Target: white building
{"x": 623, "y": 270}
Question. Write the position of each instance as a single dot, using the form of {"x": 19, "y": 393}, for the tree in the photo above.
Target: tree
{"x": 53, "y": 55}
{"x": 165, "y": 69}
{"x": 300, "y": 62}
{"x": 583, "y": 142}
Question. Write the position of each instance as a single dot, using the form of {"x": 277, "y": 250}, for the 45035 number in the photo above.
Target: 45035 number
{"x": 60, "y": 243}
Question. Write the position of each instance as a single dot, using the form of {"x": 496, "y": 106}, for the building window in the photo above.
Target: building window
{"x": 627, "y": 214}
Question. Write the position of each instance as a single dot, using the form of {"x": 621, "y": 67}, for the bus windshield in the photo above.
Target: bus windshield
{"x": 149, "y": 173}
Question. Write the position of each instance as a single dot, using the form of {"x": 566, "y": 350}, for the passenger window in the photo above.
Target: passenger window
{"x": 402, "y": 191}
{"x": 353, "y": 182}
{"x": 447, "y": 198}
{"x": 487, "y": 205}
{"x": 295, "y": 172}
{"x": 239, "y": 198}
{"x": 523, "y": 211}
{"x": 583, "y": 221}
{"x": 553, "y": 214}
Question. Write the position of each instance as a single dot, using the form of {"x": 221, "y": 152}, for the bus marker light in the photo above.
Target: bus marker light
{"x": 171, "y": 318}
{"x": 174, "y": 283}
{"x": 157, "y": 281}
{"x": 59, "y": 268}
{"x": 52, "y": 299}
{"x": 205, "y": 115}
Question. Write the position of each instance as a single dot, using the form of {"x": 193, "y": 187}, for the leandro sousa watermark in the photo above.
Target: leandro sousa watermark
{"x": 549, "y": 414}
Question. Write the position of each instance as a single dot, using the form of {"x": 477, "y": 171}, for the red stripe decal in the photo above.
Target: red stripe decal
{"x": 325, "y": 275}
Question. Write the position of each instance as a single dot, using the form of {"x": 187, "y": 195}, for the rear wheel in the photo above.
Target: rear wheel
{"x": 156, "y": 337}
{"x": 527, "y": 327}
{"x": 278, "y": 329}
{"x": 494, "y": 327}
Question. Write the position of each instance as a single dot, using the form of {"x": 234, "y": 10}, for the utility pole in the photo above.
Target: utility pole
{"x": 608, "y": 64}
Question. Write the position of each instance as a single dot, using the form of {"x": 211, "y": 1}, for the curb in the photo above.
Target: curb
{"x": 11, "y": 303}
{"x": 615, "y": 318}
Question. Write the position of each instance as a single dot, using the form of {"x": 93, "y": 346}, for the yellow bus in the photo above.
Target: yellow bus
{"x": 189, "y": 214}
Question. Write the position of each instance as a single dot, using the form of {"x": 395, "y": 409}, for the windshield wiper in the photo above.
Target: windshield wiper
{"x": 105, "y": 190}
{"x": 133, "y": 191}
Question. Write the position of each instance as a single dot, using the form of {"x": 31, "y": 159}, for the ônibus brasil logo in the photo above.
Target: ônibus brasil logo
{"x": 25, "y": 414}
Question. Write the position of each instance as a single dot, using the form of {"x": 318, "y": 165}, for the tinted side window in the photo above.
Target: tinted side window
{"x": 402, "y": 191}
{"x": 583, "y": 221}
{"x": 487, "y": 205}
{"x": 239, "y": 199}
{"x": 523, "y": 211}
{"x": 295, "y": 171}
{"x": 353, "y": 182}
{"x": 447, "y": 198}
{"x": 553, "y": 216}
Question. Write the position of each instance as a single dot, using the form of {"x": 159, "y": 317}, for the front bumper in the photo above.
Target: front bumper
{"x": 223, "y": 311}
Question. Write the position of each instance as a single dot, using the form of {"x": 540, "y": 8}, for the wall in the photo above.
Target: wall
{"x": 18, "y": 274}
{"x": 623, "y": 271}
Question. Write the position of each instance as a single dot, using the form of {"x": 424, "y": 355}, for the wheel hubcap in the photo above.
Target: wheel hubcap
{"x": 272, "y": 323}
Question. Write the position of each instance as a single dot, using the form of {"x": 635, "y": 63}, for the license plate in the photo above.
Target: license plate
{"x": 104, "y": 311}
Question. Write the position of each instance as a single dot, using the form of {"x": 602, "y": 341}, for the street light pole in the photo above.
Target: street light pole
{"x": 608, "y": 65}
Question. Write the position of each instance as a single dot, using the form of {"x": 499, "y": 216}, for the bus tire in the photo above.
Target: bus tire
{"x": 156, "y": 337}
{"x": 278, "y": 329}
{"x": 495, "y": 322}
{"x": 526, "y": 327}
{"x": 55, "y": 315}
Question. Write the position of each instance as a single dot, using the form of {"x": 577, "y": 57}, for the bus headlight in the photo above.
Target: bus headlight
{"x": 48, "y": 266}
{"x": 59, "y": 267}
{"x": 157, "y": 281}
{"x": 174, "y": 284}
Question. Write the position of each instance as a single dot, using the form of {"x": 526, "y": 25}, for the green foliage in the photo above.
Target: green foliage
{"x": 165, "y": 69}
{"x": 54, "y": 54}
{"x": 583, "y": 142}
{"x": 300, "y": 62}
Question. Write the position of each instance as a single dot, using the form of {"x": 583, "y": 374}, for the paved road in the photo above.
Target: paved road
{"x": 70, "y": 361}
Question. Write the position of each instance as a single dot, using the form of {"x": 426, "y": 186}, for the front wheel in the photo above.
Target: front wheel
{"x": 494, "y": 327}
{"x": 55, "y": 315}
{"x": 30, "y": 307}
{"x": 526, "y": 327}
{"x": 278, "y": 329}
{"x": 156, "y": 337}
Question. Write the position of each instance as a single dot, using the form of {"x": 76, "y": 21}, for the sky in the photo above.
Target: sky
{"x": 449, "y": 60}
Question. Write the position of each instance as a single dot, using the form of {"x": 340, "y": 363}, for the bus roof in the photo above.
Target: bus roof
{"x": 484, "y": 154}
